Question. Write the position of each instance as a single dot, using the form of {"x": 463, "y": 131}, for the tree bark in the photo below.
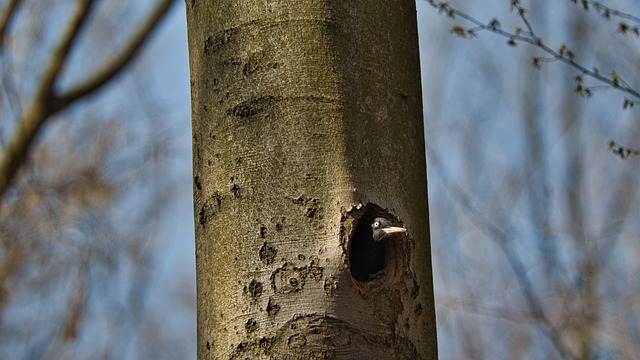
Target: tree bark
{"x": 307, "y": 124}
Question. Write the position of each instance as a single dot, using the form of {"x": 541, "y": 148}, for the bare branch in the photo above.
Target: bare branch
{"x": 503, "y": 239}
{"x": 46, "y": 102}
{"x": 61, "y": 52}
{"x": 563, "y": 54}
{"x": 114, "y": 66}
{"x": 6, "y": 17}
{"x": 609, "y": 12}
{"x": 41, "y": 106}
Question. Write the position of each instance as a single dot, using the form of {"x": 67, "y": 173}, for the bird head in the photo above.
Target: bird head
{"x": 383, "y": 228}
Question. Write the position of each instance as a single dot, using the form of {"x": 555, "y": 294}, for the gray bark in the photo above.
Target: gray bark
{"x": 307, "y": 118}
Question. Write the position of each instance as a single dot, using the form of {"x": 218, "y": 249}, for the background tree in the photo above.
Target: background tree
{"x": 86, "y": 171}
{"x": 305, "y": 114}
{"x": 519, "y": 139}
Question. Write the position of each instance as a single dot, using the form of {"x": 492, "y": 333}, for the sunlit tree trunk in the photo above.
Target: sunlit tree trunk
{"x": 307, "y": 124}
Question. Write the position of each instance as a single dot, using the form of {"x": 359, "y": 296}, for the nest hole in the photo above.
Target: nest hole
{"x": 369, "y": 260}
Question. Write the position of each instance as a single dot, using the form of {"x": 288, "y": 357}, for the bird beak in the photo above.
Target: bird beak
{"x": 392, "y": 230}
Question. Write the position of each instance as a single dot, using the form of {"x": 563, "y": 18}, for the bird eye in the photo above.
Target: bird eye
{"x": 376, "y": 224}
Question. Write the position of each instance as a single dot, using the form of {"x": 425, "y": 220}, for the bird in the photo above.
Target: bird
{"x": 367, "y": 248}
{"x": 383, "y": 229}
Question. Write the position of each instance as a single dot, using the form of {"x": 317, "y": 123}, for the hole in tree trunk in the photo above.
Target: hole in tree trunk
{"x": 371, "y": 260}
{"x": 366, "y": 256}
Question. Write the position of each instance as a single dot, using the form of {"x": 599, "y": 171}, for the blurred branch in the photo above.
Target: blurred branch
{"x": 77, "y": 308}
{"x": 118, "y": 62}
{"x": 11, "y": 262}
{"x": 5, "y": 19}
{"x": 41, "y": 107}
{"x": 502, "y": 239}
{"x": 59, "y": 56}
{"x": 528, "y": 35}
{"x": 47, "y": 103}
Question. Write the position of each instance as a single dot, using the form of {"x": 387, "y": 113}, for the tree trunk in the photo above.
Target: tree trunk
{"x": 307, "y": 124}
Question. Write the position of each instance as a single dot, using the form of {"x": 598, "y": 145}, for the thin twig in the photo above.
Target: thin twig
{"x": 564, "y": 55}
{"x": 608, "y": 12}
